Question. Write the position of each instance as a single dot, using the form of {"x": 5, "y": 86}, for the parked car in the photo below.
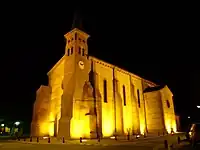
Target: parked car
{"x": 193, "y": 134}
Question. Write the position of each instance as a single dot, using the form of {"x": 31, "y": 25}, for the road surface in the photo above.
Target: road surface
{"x": 185, "y": 146}
{"x": 21, "y": 146}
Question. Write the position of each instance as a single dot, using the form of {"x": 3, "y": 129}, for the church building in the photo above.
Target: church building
{"x": 86, "y": 97}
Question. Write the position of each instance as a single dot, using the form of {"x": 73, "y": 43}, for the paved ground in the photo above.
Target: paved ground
{"x": 185, "y": 146}
{"x": 149, "y": 143}
{"x": 71, "y": 147}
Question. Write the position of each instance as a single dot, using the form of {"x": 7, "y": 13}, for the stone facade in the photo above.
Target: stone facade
{"x": 160, "y": 110}
{"x": 87, "y": 97}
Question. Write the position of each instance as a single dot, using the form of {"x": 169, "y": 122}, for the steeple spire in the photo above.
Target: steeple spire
{"x": 77, "y": 20}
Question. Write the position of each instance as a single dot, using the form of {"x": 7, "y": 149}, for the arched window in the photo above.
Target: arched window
{"x": 72, "y": 50}
{"x": 68, "y": 52}
{"x": 138, "y": 94}
{"x": 124, "y": 95}
{"x": 75, "y": 36}
{"x": 79, "y": 50}
{"x": 83, "y": 51}
{"x": 168, "y": 103}
{"x": 105, "y": 91}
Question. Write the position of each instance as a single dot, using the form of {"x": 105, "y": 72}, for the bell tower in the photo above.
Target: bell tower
{"x": 76, "y": 74}
{"x": 76, "y": 43}
{"x": 76, "y": 38}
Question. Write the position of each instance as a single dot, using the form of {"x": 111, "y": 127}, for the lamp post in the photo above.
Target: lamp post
{"x": 3, "y": 127}
{"x": 198, "y": 106}
{"x": 17, "y": 123}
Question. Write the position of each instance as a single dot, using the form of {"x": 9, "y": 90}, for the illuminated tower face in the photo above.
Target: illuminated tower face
{"x": 76, "y": 74}
{"x": 77, "y": 53}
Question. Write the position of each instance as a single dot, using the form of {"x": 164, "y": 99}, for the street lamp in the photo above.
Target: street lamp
{"x": 188, "y": 117}
{"x": 17, "y": 123}
{"x": 2, "y": 125}
{"x": 198, "y": 106}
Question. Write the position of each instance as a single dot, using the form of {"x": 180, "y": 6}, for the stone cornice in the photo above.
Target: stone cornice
{"x": 76, "y": 30}
{"x": 120, "y": 69}
{"x": 107, "y": 65}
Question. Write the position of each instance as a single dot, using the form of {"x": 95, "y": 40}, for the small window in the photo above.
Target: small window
{"x": 79, "y": 50}
{"x": 72, "y": 50}
{"x": 168, "y": 104}
{"x": 83, "y": 41}
{"x": 68, "y": 52}
{"x": 83, "y": 52}
{"x": 105, "y": 91}
{"x": 79, "y": 39}
{"x": 124, "y": 95}
{"x": 75, "y": 36}
{"x": 68, "y": 41}
{"x": 138, "y": 94}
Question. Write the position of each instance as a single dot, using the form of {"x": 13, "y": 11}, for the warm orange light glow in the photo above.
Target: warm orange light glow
{"x": 174, "y": 126}
{"x": 107, "y": 122}
{"x": 112, "y": 137}
{"x": 142, "y": 126}
{"x": 127, "y": 119}
{"x": 51, "y": 116}
{"x": 170, "y": 124}
{"x": 107, "y": 128}
{"x": 51, "y": 128}
{"x": 44, "y": 128}
{"x": 80, "y": 128}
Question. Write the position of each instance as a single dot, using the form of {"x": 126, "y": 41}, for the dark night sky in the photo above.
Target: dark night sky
{"x": 158, "y": 44}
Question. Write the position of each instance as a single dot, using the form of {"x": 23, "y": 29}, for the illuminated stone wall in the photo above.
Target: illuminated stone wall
{"x": 129, "y": 117}
{"x": 160, "y": 110}
{"x": 41, "y": 108}
{"x": 105, "y": 73}
{"x": 76, "y": 100}
{"x": 168, "y": 109}
{"x": 138, "y": 89}
{"x": 55, "y": 83}
{"x": 155, "y": 116}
